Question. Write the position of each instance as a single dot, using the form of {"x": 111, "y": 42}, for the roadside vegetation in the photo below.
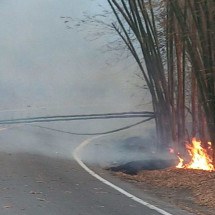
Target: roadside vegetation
{"x": 173, "y": 43}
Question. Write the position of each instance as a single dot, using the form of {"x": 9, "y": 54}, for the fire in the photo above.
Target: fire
{"x": 180, "y": 164}
{"x": 200, "y": 159}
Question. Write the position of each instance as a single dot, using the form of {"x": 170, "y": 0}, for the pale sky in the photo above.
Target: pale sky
{"x": 44, "y": 64}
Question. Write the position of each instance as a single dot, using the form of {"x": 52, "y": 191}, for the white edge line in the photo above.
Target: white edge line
{"x": 136, "y": 199}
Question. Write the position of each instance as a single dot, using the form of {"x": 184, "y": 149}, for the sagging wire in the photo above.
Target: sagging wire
{"x": 97, "y": 133}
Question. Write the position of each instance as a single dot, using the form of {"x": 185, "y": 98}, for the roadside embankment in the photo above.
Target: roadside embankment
{"x": 192, "y": 190}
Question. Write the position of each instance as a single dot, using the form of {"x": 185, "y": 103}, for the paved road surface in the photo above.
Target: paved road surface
{"x": 39, "y": 177}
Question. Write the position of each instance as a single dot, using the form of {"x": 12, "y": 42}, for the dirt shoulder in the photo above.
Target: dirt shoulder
{"x": 192, "y": 190}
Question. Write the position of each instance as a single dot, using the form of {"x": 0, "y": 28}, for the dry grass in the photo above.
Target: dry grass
{"x": 196, "y": 184}
{"x": 201, "y": 183}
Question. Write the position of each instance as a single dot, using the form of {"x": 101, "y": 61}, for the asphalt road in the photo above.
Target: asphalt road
{"x": 39, "y": 177}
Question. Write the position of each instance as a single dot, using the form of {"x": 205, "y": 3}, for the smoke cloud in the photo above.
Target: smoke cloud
{"x": 44, "y": 64}
{"x": 47, "y": 69}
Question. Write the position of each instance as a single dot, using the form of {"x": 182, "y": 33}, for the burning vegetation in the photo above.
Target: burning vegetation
{"x": 185, "y": 181}
{"x": 200, "y": 158}
{"x": 193, "y": 177}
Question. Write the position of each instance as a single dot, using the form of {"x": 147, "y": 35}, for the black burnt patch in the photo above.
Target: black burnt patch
{"x": 134, "y": 167}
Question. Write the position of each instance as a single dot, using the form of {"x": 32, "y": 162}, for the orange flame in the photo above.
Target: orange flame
{"x": 199, "y": 157}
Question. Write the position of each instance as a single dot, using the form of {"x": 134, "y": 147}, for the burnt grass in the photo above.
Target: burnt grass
{"x": 134, "y": 167}
{"x": 148, "y": 161}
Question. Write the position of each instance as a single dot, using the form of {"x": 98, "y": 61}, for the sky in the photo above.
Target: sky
{"x": 45, "y": 67}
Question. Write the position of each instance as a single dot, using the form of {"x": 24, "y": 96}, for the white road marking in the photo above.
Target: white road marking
{"x": 76, "y": 153}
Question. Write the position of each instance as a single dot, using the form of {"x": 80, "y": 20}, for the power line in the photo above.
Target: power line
{"x": 97, "y": 133}
{"x": 78, "y": 117}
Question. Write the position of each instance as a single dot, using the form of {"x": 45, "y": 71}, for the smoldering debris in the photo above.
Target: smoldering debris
{"x": 146, "y": 159}
{"x": 133, "y": 167}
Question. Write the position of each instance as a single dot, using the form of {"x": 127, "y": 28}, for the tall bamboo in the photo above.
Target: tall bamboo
{"x": 137, "y": 16}
{"x": 200, "y": 47}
